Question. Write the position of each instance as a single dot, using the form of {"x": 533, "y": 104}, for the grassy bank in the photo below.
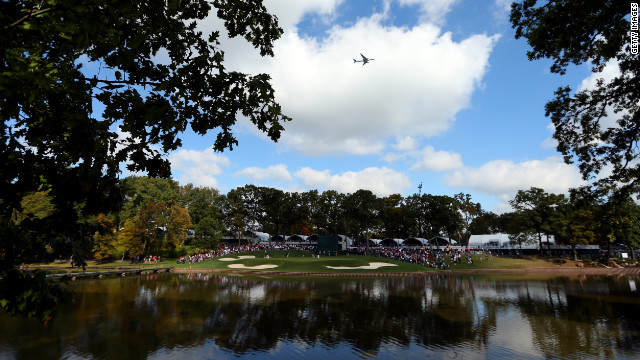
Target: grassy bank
{"x": 296, "y": 262}
{"x": 304, "y": 262}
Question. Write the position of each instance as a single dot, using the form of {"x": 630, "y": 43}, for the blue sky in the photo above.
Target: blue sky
{"x": 450, "y": 101}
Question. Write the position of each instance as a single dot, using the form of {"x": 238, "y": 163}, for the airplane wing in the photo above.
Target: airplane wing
{"x": 363, "y": 57}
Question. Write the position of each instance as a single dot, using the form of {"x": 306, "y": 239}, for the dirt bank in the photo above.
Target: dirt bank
{"x": 549, "y": 271}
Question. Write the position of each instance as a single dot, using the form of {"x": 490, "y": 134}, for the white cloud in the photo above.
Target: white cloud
{"x": 504, "y": 178}
{"x": 381, "y": 181}
{"x": 290, "y": 13}
{"x": 503, "y": 7}
{"x": 608, "y": 73}
{"x": 432, "y": 160}
{"x": 275, "y": 172}
{"x": 198, "y": 167}
{"x": 432, "y": 10}
{"x": 550, "y": 142}
{"x": 419, "y": 81}
{"x": 406, "y": 143}
{"x": 392, "y": 157}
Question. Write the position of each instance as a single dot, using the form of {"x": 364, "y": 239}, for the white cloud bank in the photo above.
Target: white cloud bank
{"x": 381, "y": 181}
{"x": 198, "y": 167}
{"x": 433, "y": 11}
{"x": 503, "y": 178}
{"x": 432, "y": 160}
{"x": 275, "y": 172}
{"x": 419, "y": 81}
{"x": 420, "y": 78}
{"x": 289, "y": 12}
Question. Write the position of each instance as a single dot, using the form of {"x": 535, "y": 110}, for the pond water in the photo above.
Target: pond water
{"x": 205, "y": 316}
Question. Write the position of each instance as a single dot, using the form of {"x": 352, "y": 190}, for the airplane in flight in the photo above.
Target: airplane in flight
{"x": 363, "y": 61}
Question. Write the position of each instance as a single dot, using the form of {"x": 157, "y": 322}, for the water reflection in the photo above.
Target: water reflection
{"x": 207, "y": 316}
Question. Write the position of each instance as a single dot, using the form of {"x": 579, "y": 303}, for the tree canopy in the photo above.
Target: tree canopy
{"x": 599, "y": 127}
{"x": 86, "y": 86}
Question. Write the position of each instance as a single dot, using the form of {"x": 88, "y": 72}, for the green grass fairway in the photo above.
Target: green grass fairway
{"x": 303, "y": 262}
{"x": 306, "y": 264}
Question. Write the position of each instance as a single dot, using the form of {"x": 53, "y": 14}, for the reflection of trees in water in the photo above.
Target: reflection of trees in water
{"x": 135, "y": 317}
{"x": 598, "y": 320}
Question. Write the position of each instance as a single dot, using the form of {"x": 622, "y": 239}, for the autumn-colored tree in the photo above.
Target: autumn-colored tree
{"x": 37, "y": 204}
{"x": 131, "y": 238}
{"x": 179, "y": 223}
{"x": 105, "y": 239}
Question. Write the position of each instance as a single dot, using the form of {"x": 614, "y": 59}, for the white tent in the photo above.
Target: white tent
{"x": 298, "y": 238}
{"x": 502, "y": 241}
{"x": 391, "y": 242}
{"x": 257, "y": 236}
{"x": 415, "y": 241}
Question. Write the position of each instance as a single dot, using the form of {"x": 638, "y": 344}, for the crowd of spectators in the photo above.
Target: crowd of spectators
{"x": 440, "y": 258}
{"x": 436, "y": 258}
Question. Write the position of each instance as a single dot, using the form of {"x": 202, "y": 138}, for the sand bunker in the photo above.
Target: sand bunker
{"x": 371, "y": 266}
{"x": 258, "y": 267}
{"x": 238, "y": 258}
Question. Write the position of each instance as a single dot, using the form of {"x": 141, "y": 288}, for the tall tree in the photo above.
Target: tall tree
{"x": 519, "y": 229}
{"x": 331, "y": 211}
{"x": 88, "y": 85}
{"x": 538, "y": 207}
{"x": 486, "y": 222}
{"x": 597, "y": 127}
{"x": 362, "y": 209}
{"x": 105, "y": 239}
{"x": 205, "y": 207}
{"x": 470, "y": 211}
{"x": 137, "y": 190}
{"x": 177, "y": 226}
{"x": 617, "y": 223}
{"x": 274, "y": 204}
{"x": 150, "y": 222}
{"x": 392, "y": 216}
{"x": 311, "y": 200}
{"x": 132, "y": 238}
{"x": 574, "y": 223}
{"x": 415, "y": 209}
{"x": 234, "y": 214}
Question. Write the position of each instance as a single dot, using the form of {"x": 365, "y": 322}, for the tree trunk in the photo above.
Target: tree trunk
{"x": 540, "y": 242}
{"x": 366, "y": 237}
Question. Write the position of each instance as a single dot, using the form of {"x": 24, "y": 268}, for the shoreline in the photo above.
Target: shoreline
{"x": 625, "y": 271}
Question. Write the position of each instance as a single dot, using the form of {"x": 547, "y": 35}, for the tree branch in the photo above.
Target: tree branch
{"x": 27, "y": 17}
{"x": 123, "y": 82}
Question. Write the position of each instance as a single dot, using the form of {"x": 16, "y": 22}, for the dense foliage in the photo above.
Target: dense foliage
{"x": 597, "y": 127}
{"x": 88, "y": 85}
{"x": 161, "y": 217}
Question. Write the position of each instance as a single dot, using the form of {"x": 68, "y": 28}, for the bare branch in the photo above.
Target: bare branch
{"x": 27, "y": 17}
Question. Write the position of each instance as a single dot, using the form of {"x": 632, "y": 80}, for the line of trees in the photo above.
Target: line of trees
{"x": 158, "y": 214}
